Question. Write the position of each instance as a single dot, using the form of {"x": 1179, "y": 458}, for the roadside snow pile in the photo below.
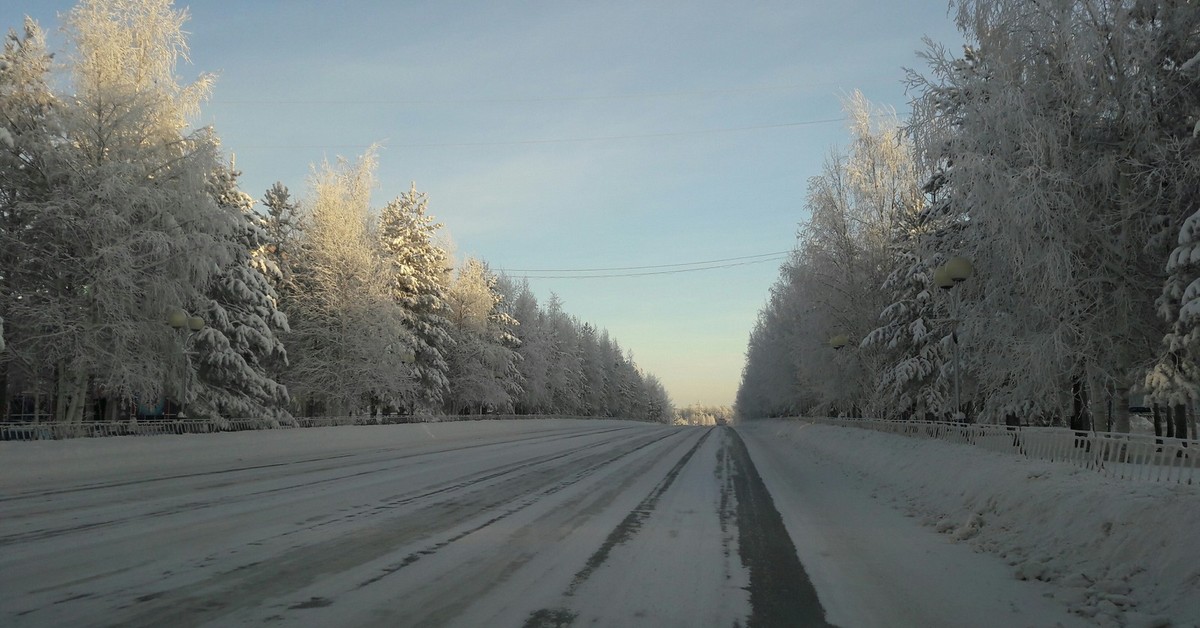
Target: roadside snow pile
{"x": 1121, "y": 553}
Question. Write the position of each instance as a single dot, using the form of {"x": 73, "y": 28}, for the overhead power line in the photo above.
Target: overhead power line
{"x": 638, "y": 136}
{"x": 521, "y": 99}
{"x": 596, "y": 270}
{"x": 645, "y": 274}
{"x": 669, "y": 269}
{"x": 562, "y": 140}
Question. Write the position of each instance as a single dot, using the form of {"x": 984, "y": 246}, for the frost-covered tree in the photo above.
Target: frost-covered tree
{"x": 282, "y": 227}
{"x": 238, "y": 350}
{"x": 28, "y": 118}
{"x": 1174, "y": 381}
{"x": 348, "y": 339}
{"x": 566, "y": 360}
{"x": 537, "y": 350}
{"x": 912, "y": 332}
{"x": 126, "y": 228}
{"x": 483, "y": 360}
{"x": 551, "y": 348}
{"x": 1064, "y": 133}
{"x": 832, "y": 285}
{"x": 417, "y": 271}
{"x": 698, "y": 414}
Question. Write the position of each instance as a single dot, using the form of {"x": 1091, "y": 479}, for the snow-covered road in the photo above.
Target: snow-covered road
{"x": 505, "y": 523}
{"x": 501, "y": 524}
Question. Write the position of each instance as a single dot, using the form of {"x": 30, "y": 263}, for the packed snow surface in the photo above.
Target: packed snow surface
{"x": 547, "y": 523}
{"x": 1115, "y": 552}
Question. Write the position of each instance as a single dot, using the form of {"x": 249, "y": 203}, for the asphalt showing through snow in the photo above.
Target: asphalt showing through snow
{"x": 554, "y": 524}
{"x": 781, "y": 593}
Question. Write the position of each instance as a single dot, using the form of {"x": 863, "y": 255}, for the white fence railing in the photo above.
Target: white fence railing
{"x": 26, "y": 431}
{"x": 1127, "y": 456}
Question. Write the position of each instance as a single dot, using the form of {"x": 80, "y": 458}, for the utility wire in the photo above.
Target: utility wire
{"x": 633, "y": 137}
{"x": 645, "y": 274}
{"x": 527, "y": 99}
{"x": 655, "y": 266}
{"x": 566, "y": 140}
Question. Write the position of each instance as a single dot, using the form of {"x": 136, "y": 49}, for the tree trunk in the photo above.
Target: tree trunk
{"x": 1181, "y": 426}
{"x": 1120, "y": 420}
{"x": 1170, "y": 422}
{"x": 60, "y": 393}
{"x": 78, "y": 393}
{"x": 5, "y": 398}
{"x": 1158, "y": 426}
{"x": 1095, "y": 400}
{"x": 1079, "y": 417}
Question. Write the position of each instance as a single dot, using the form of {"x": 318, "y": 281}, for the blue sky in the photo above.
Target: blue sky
{"x": 563, "y": 135}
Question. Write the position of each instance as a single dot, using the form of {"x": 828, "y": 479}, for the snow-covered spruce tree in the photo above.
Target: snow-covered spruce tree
{"x": 619, "y": 384}
{"x": 593, "y": 371}
{"x": 886, "y": 199}
{"x": 483, "y": 360}
{"x": 914, "y": 330}
{"x": 566, "y": 372}
{"x": 1174, "y": 380}
{"x": 550, "y": 363}
{"x": 237, "y": 351}
{"x": 127, "y": 230}
{"x": 536, "y": 348}
{"x": 658, "y": 402}
{"x": 912, "y": 386}
{"x": 282, "y": 227}
{"x": 347, "y": 340}
{"x": 416, "y": 274}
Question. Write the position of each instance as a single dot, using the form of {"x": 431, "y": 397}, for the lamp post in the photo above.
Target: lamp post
{"x": 837, "y": 341}
{"x": 180, "y": 321}
{"x": 955, "y": 271}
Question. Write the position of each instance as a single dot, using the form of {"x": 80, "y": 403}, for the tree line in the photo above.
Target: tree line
{"x": 1058, "y": 154}
{"x": 117, "y": 216}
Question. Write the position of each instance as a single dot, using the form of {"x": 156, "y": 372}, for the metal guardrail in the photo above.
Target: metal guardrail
{"x": 1125, "y": 456}
{"x": 96, "y": 429}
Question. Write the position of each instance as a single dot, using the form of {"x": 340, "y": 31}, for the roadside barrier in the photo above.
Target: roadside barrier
{"x": 1126, "y": 456}
{"x": 156, "y": 427}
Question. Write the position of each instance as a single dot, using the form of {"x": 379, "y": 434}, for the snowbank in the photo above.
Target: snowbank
{"x": 1120, "y": 553}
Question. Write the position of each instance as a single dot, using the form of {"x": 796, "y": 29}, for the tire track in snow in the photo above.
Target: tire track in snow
{"x": 304, "y": 565}
{"x": 272, "y": 465}
{"x": 521, "y": 505}
{"x": 521, "y": 550}
{"x": 625, "y": 530}
{"x": 47, "y": 533}
{"x": 633, "y": 521}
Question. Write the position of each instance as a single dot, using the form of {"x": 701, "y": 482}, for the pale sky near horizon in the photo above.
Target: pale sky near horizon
{"x": 570, "y": 135}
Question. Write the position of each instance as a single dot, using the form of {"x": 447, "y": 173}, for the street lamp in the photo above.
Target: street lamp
{"x": 955, "y": 271}
{"x": 837, "y": 341}
{"x": 179, "y": 320}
